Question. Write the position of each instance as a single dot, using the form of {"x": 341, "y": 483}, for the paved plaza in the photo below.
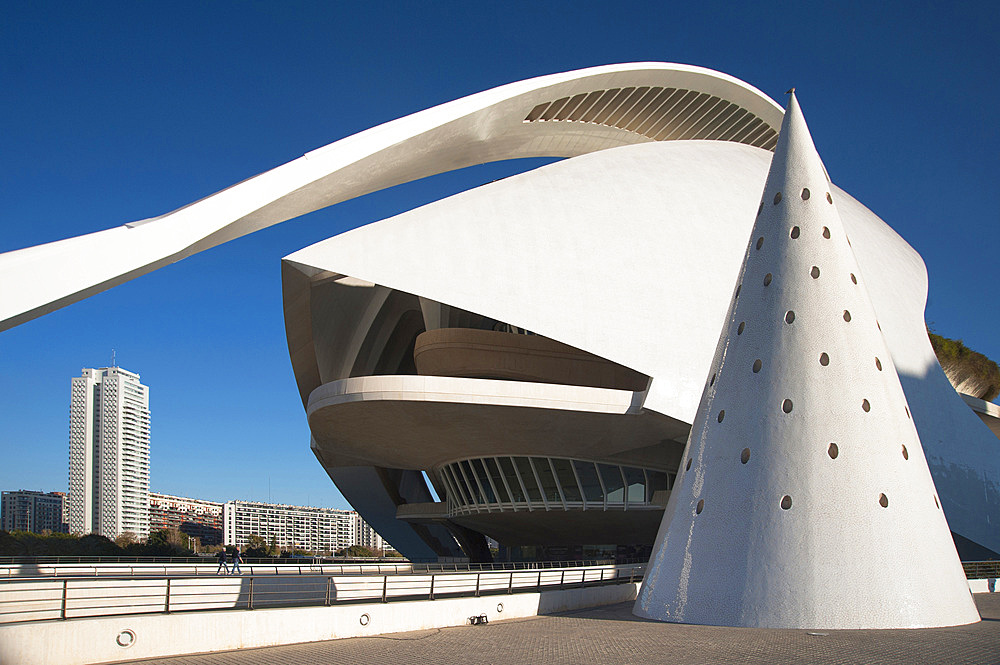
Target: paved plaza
{"x": 612, "y": 635}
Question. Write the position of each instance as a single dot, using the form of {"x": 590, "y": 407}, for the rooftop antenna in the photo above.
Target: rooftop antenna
{"x": 113, "y": 358}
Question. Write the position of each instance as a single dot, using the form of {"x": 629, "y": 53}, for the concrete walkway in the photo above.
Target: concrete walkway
{"x": 612, "y": 635}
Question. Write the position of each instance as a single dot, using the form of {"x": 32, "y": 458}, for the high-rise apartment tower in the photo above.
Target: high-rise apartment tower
{"x": 109, "y": 453}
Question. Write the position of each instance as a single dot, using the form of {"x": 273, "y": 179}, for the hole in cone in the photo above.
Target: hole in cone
{"x": 739, "y": 330}
{"x": 794, "y": 233}
{"x": 853, "y": 278}
{"x": 760, "y": 242}
{"x": 786, "y": 406}
{"x": 789, "y": 316}
{"x": 688, "y": 467}
{"x": 767, "y": 279}
{"x": 865, "y": 406}
{"x": 745, "y": 455}
{"x": 824, "y": 359}
{"x": 786, "y": 502}
{"x": 878, "y": 364}
{"x": 756, "y": 365}
{"x": 829, "y": 199}
{"x": 826, "y": 233}
{"x": 833, "y": 451}
{"x": 722, "y": 415}
{"x": 847, "y": 315}
{"x": 883, "y": 500}
{"x": 805, "y": 194}
{"x": 906, "y": 454}
{"x": 777, "y": 198}
{"x": 701, "y": 507}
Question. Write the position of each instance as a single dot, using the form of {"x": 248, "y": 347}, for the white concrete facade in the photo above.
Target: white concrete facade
{"x": 109, "y": 433}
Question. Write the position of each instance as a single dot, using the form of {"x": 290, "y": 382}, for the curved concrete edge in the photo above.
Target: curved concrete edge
{"x": 483, "y": 127}
{"x": 472, "y": 391}
{"x": 87, "y": 641}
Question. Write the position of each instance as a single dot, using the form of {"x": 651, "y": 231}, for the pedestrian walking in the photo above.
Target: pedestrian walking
{"x": 222, "y": 569}
{"x": 236, "y": 562}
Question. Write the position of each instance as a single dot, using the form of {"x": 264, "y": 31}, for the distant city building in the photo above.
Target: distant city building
{"x": 319, "y": 530}
{"x": 26, "y": 510}
{"x": 368, "y": 537}
{"x": 109, "y": 453}
{"x": 194, "y": 517}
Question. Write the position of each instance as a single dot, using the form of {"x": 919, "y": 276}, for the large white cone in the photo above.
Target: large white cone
{"x": 804, "y": 499}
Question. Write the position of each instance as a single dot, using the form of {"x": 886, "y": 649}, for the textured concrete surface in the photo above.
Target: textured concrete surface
{"x": 612, "y": 635}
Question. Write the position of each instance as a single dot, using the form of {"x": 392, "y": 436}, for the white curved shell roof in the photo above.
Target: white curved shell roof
{"x": 632, "y": 254}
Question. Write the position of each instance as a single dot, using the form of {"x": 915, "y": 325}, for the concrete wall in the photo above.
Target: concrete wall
{"x": 85, "y": 641}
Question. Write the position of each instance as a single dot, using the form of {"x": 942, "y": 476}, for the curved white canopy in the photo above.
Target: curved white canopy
{"x": 560, "y": 115}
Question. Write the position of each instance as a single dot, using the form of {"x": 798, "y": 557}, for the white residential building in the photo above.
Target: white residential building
{"x": 109, "y": 453}
{"x": 320, "y": 530}
{"x": 366, "y": 536}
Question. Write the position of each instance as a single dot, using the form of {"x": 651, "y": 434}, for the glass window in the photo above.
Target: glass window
{"x": 528, "y": 477}
{"x": 494, "y": 471}
{"x": 507, "y": 468}
{"x": 460, "y": 484}
{"x": 636, "y": 484}
{"x": 657, "y": 481}
{"x": 471, "y": 477}
{"x": 564, "y": 472}
{"x": 613, "y": 483}
{"x": 549, "y": 488}
{"x": 480, "y": 467}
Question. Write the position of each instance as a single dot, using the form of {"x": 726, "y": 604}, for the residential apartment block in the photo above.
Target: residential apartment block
{"x": 194, "y": 517}
{"x": 25, "y": 510}
{"x": 320, "y": 530}
{"x": 109, "y": 453}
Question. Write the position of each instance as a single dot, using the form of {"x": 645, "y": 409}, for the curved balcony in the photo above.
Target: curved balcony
{"x": 490, "y": 354}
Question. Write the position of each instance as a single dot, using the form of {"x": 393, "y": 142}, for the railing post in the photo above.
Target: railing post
{"x": 166, "y": 600}
{"x": 510, "y": 584}
{"x": 432, "y": 588}
{"x": 583, "y": 578}
{"x": 562, "y": 578}
{"x": 477, "y": 584}
{"x": 631, "y": 575}
{"x": 385, "y": 588}
{"x": 250, "y": 595}
{"x": 539, "y": 579}
{"x": 329, "y": 583}
{"x": 602, "y": 575}
{"x": 62, "y": 612}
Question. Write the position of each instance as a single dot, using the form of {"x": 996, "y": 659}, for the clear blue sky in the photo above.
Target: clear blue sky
{"x": 113, "y": 113}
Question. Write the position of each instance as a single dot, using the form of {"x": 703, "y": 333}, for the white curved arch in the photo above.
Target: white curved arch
{"x": 525, "y": 119}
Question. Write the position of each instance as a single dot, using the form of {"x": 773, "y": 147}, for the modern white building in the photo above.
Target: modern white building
{"x": 536, "y": 346}
{"x": 109, "y": 453}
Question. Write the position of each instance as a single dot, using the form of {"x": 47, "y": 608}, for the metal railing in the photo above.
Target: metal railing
{"x": 183, "y": 567}
{"x": 979, "y": 570}
{"x": 43, "y": 599}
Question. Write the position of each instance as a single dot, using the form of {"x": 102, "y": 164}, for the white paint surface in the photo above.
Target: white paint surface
{"x": 805, "y": 501}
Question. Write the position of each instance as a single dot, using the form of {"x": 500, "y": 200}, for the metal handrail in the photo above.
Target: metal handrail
{"x": 23, "y": 600}
{"x": 978, "y": 570}
{"x": 210, "y": 566}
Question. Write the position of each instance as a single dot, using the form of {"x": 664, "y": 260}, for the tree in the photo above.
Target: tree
{"x": 256, "y": 546}
{"x": 125, "y": 539}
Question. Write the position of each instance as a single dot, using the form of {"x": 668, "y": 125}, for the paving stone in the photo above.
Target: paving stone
{"x": 612, "y": 635}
